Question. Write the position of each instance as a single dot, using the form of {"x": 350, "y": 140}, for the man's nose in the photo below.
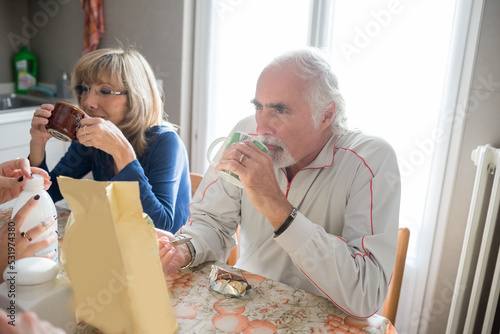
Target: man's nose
{"x": 263, "y": 123}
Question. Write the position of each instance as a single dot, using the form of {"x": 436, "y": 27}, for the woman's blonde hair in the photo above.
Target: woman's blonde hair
{"x": 128, "y": 71}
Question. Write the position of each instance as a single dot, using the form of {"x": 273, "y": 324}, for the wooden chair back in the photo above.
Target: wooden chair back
{"x": 195, "y": 182}
{"x": 391, "y": 302}
{"x": 233, "y": 256}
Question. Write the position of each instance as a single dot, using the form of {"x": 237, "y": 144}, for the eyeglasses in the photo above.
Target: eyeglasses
{"x": 84, "y": 90}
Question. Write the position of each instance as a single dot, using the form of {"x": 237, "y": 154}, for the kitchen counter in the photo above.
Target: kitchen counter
{"x": 16, "y": 115}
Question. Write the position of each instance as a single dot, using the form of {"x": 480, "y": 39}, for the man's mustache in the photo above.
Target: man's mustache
{"x": 271, "y": 141}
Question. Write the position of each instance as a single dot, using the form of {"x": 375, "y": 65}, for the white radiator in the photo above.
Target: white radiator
{"x": 477, "y": 288}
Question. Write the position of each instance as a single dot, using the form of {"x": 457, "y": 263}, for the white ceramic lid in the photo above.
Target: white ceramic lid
{"x": 32, "y": 271}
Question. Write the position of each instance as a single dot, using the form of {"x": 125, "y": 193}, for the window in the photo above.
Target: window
{"x": 390, "y": 57}
{"x": 391, "y": 60}
{"x": 245, "y": 36}
{"x": 250, "y": 34}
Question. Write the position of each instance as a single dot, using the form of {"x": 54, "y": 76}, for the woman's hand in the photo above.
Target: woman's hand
{"x": 172, "y": 257}
{"x": 41, "y": 117}
{"x": 13, "y": 175}
{"x": 14, "y": 246}
{"x": 107, "y": 137}
{"x": 39, "y": 135}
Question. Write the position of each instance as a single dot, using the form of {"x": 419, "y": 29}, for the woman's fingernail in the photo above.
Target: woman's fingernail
{"x": 36, "y": 198}
{"x": 57, "y": 232}
{"x": 20, "y": 179}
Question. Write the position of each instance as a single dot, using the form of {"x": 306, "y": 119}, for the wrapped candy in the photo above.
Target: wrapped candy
{"x": 230, "y": 283}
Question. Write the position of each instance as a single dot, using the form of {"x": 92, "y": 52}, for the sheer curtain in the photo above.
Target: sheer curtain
{"x": 390, "y": 58}
{"x": 391, "y": 67}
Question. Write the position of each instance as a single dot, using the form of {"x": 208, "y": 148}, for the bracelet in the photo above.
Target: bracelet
{"x": 192, "y": 251}
{"x": 287, "y": 223}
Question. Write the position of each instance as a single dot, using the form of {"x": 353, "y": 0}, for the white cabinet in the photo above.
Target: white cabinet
{"x": 15, "y": 137}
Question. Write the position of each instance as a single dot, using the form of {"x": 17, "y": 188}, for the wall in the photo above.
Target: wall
{"x": 481, "y": 127}
{"x": 9, "y": 23}
{"x": 54, "y": 30}
{"x": 57, "y": 41}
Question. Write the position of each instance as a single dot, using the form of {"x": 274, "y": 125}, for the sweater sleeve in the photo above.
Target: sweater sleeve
{"x": 159, "y": 178}
{"x": 76, "y": 163}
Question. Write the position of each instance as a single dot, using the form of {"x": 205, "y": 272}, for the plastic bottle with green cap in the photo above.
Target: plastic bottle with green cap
{"x": 25, "y": 71}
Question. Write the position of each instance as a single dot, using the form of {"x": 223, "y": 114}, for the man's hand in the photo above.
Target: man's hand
{"x": 172, "y": 257}
{"x": 256, "y": 173}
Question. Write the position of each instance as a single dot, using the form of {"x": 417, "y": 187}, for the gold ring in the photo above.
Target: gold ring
{"x": 241, "y": 158}
{"x": 26, "y": 236}
{"x": 85, "y": 131}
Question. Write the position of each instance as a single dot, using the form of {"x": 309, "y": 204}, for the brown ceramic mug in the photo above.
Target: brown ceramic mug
{"x": 65, "y": 121}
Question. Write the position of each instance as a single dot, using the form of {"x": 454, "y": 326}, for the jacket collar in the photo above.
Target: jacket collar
{"x": 326, "y": 155}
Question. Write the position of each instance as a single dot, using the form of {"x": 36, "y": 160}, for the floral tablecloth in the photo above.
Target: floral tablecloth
{"x": 270, "y": 307}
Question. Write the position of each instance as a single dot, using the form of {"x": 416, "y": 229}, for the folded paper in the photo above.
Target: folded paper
{"x": 111, "y": 257}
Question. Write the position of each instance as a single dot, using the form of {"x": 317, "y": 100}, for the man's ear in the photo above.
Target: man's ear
{"x": 327, "y": 117}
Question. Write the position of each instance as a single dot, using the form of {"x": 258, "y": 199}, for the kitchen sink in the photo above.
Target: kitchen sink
{"x": 15, "y": 101}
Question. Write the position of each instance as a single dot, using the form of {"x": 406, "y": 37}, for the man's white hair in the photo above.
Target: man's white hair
{"x": 322, "y": 87}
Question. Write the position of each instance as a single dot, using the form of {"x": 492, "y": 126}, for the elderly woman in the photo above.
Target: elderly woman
{"x": 125, "y": 137}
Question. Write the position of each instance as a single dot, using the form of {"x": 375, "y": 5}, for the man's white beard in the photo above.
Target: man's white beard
{"x": 281, "y": 158}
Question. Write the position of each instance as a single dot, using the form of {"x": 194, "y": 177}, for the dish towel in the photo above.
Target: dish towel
{"x": 93, "y": 26}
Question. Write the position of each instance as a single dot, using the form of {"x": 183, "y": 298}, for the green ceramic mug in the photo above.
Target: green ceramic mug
{"x": 237, "y": 137}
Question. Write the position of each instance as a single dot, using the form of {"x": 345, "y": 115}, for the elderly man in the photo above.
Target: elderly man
{"x": 319, "y": 212}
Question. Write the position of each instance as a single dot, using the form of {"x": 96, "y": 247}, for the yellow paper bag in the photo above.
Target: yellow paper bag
{"x": 111, "y": 258}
